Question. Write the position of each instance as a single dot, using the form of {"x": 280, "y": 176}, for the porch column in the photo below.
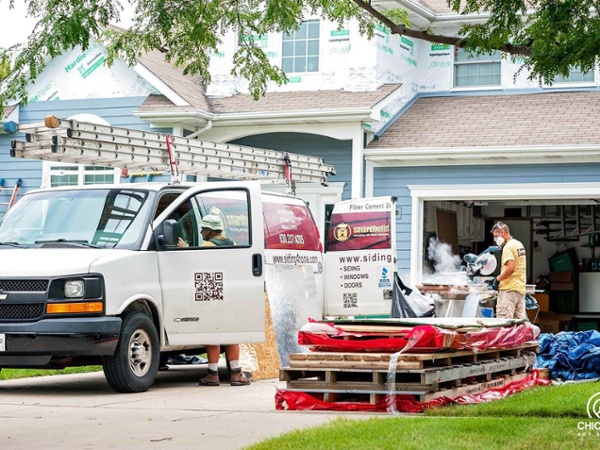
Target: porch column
{"x": 369, "y": 178}
{"x": 357, "y": 162}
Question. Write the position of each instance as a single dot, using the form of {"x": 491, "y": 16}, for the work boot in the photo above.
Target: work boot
{"x": 212, "y": 379}
{"x": 237, "y": 378}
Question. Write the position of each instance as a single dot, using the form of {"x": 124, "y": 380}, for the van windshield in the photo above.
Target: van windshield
{"x": 88, "y": 218}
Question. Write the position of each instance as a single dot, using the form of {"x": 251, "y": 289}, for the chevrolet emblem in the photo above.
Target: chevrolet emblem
{"x": 3, "y": 296}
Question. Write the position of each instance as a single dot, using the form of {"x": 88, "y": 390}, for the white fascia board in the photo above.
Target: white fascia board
{"x": 171, "y": 119}
{"x": 250, "y": 118}
{"x": 448, "y": 19}
{"x": 172, "y": 116}
{"x": 448, "y": 156}
{"x": 520, "y": 191}
{"x": 458, "y": 19}
{"x": 254, "y": 118}
{"x": 159, "y": 85}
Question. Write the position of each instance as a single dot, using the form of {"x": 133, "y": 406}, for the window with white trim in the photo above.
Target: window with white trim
{"x": 300, "y": 51}
{"x": 56, "y": 174}
{"x": 60, "y": 174}
{"x": 476, "y": 70}
{"x": 576, "y": 76}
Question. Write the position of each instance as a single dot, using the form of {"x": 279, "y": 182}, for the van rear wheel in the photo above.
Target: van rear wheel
{"x": 134, "y": 365}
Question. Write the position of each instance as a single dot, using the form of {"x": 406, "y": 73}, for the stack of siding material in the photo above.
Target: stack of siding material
{"x": 414, "y": 360}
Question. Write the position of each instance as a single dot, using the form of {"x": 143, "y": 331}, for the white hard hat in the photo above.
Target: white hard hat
{"x": 213, "y": 222}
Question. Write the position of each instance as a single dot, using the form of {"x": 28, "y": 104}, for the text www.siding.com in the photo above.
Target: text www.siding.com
{"x": 295, "y": 259}
{"x": 373, "y": 257}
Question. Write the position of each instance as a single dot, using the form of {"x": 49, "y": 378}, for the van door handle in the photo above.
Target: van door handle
{"x": 257, "y": 268}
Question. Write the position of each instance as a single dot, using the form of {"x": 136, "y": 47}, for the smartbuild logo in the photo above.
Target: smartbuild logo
{"x": 591, "y": 427}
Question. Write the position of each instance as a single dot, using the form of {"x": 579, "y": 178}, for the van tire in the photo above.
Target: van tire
{"x": 134, "y": 365}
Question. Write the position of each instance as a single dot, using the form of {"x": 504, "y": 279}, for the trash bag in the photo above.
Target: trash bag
{"x": 408, "y": 303}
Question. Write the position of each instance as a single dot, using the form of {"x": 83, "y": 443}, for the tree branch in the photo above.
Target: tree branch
{"x": 523, "y": 50}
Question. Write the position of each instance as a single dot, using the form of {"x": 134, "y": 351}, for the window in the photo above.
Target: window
{"x": 300, "y": 51}
{"x": 576, "y": 76}
{"x": 64, "y": 176}
{"x": 476, "y": 70}
{"x": 101, "y": 217}
{"x": 61, "y": 174}
{"x": 230, "y": 206}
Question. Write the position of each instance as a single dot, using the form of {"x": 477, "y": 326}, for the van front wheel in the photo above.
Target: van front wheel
{"x": 134, "y": 365}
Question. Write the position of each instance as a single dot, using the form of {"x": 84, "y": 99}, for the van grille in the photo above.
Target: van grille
{"x": 28, "y": 311}
{"x": 23, "y": 285}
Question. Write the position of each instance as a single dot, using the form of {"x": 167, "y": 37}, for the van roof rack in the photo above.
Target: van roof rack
{"x": 73, "y": 141}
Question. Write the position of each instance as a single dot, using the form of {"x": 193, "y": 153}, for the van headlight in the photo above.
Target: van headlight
{"x": 74, "y": 289}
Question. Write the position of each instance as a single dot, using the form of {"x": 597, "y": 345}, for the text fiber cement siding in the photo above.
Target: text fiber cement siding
{"x": 116, "y": 111}
{"x": 394, "y": 181}
{"x": 335, "y": 152}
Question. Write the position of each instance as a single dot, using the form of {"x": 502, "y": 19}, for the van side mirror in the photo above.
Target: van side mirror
{"x": 170, "y": 234}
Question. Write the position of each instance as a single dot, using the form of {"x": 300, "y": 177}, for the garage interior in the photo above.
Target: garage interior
{"x": 562, "y": 241}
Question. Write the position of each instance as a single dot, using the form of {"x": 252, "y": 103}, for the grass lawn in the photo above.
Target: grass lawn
{"x": 543, "y": 417}
{"x": 11, "y": 374}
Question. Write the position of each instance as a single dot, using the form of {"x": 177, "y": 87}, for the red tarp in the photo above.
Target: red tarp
{"x": 402, "y": 403}
{"x": 420, "y": 339}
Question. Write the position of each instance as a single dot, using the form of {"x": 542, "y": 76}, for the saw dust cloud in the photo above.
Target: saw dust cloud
{"x": 446, "y": 266}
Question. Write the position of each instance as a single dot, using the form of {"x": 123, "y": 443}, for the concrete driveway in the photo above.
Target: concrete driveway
{"x": 81, "y": 411}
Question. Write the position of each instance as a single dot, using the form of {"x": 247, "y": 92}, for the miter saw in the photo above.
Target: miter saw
{"x": 483, "y": 264}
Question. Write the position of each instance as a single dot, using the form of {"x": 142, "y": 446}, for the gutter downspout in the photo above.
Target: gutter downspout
{"x": 206, "y": 127}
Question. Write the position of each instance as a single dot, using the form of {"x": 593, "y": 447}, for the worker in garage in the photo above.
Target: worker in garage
{"x": 511, "y": 281}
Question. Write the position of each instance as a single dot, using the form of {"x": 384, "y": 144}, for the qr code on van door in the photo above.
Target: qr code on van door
{"x": 350, "y": 300}
{"x": 209, "y": 286}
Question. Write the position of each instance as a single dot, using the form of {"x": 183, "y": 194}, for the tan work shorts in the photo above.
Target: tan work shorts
{"x": 510, "y": 305}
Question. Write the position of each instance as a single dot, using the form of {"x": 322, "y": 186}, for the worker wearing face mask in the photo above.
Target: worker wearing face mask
{"x": 511, "y": 281}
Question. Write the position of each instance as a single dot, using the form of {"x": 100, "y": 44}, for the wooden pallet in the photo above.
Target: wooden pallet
{"x": 374, "y": 361}
{"x": 375, "y": 396}
{"x": 431, "y": 379}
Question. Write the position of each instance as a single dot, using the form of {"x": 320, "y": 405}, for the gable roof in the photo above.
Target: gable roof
{"x": 547, "y": 118}
{"x": 189, "y": 87}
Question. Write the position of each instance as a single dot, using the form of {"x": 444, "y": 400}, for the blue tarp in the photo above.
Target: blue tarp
{"x": 570, "y": 355}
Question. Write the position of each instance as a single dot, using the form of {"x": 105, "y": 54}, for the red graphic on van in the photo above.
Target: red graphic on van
{"x": 359, "y": 231}
{"x": 289, "y": 227}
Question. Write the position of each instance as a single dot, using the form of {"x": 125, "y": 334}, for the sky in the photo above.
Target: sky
{"x": 14, "y": 26}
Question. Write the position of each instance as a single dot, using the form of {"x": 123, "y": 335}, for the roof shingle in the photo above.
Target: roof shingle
{"x": 190, "y": 87}
{"x": 298, "y": 101}
{"x": 301, "y": 101}
{"x": 549, "y": 118}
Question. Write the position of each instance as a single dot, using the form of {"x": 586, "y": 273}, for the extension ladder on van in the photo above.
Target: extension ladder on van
{"x": 78, "y": 142}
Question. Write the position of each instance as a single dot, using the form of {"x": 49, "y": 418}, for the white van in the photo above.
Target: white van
{"x": 94, "y": 275}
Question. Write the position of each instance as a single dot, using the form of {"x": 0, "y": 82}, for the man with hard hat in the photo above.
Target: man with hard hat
{"x": 211, "y": 228}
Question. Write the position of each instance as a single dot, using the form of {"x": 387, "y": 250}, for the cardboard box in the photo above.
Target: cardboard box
{"x": 563, "y": 286}
{"x": 543, "y": 300}
{"x": 550, "y": 322}
{"x": 562, "y": 277}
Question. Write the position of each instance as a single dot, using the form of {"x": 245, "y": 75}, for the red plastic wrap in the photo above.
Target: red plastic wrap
{"x": 495, "y": 338}
{"x": 420, "y": 339}
{"x": 403, "y": 403}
